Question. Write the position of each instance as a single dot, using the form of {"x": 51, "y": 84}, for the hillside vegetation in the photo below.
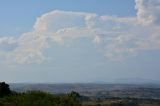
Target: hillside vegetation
{"x": 35, "y": 98}
{"x": 39, "y": 98}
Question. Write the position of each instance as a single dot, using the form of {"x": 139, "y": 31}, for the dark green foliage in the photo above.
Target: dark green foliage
{"x": 74, "y": 95}
{"x": 37, "y": 98}
{"x": 4, "y": 89}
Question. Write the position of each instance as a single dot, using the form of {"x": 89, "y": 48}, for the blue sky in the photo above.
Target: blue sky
{"x": 79, "y": 40}
{"x": 19, "y": 16}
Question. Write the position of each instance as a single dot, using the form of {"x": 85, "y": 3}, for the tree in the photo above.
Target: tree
{"x": 4, "y": 89}
{"x": 74, "y": 95}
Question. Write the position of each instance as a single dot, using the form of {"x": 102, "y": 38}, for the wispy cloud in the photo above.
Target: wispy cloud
{"x": 122, "y": 37}
{"x": 148, "y": 11}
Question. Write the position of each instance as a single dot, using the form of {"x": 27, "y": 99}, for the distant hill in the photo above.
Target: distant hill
{"x": 136, "y": 80}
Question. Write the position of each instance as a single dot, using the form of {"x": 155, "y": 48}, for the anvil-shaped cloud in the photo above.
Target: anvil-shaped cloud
{"x": 121, "y": 36}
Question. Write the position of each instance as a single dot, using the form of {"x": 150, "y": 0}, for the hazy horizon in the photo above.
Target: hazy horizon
{"x": 80, "y": 41}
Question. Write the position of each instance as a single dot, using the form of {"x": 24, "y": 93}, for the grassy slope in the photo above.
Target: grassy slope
{"x": 36, "y": 98}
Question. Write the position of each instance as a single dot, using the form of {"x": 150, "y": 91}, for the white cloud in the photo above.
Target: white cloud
{"x": 122, "y": 37}
{"x": 7, "y": 44}
{"x": 97, "y": 39}
{"x": 30, "y": 48}
{"x": 148, "y": 11}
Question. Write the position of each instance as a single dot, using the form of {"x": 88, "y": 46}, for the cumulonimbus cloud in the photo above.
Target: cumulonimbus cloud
{"x": 120, "y": 37}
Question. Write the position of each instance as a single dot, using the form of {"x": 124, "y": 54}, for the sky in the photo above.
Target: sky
{"x": 71, "y": 41}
